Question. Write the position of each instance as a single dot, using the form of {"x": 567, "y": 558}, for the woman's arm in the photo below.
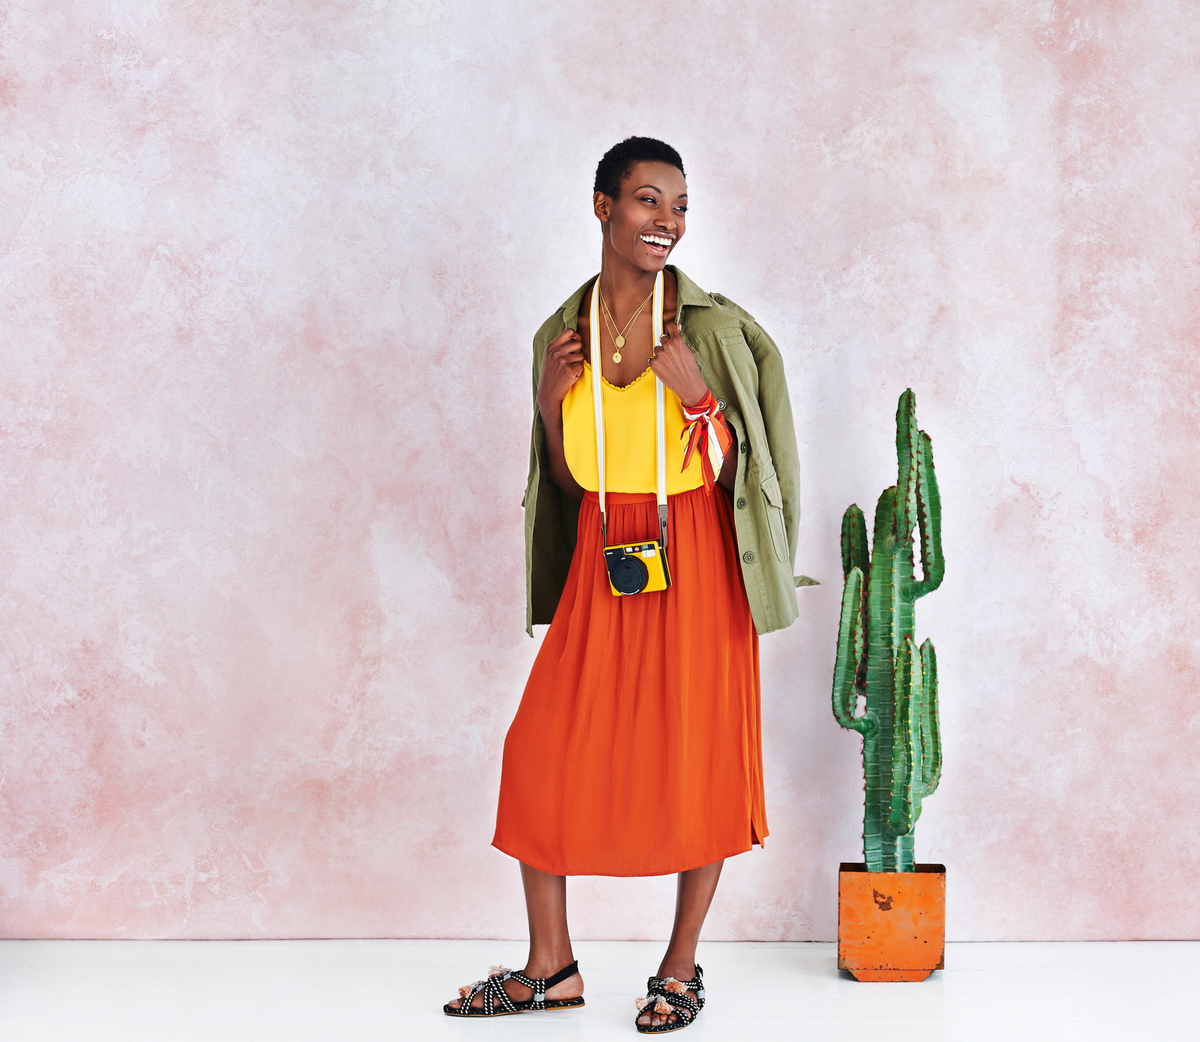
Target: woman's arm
{"x": 561, "y": 367}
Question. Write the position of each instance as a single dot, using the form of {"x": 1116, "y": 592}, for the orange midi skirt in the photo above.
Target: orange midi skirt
{"x": 637, "y": 747}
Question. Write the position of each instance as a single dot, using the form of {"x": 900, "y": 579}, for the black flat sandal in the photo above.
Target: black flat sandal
{"x": 667, "y": 995}
{"x": 496, "y": 1001}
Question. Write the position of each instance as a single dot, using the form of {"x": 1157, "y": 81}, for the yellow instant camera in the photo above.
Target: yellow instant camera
{"x": 637, "y": 568}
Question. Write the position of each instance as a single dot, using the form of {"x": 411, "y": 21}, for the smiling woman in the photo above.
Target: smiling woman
{"x": 660, "y": 525}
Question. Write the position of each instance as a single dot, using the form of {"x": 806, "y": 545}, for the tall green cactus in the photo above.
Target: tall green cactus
{"x": 877, "y": 656}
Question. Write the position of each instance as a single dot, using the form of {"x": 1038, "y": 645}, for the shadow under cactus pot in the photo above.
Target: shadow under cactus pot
{"x": 891, "y": 911}
{"x": 891, "y": 925}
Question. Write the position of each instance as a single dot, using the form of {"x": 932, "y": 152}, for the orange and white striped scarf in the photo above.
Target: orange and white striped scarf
{"x": 707, "y": 432}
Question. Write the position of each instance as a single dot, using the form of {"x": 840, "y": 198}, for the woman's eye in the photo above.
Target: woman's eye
{"x": 681, "y": 209}
{"x": 650, "y": 199}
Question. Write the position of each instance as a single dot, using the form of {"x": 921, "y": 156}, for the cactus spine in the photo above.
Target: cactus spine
{"x": 877, "y": 656}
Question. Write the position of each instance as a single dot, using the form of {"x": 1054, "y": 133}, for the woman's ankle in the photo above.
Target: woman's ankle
{"x": 683, "y": 969}
{"x": 546, "y": 964}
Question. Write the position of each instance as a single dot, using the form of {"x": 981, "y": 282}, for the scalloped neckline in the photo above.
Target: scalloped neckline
{"x": 619, "y": 387}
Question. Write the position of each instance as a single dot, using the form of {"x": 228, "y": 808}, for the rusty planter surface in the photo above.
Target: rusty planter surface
{"x": 891, "y": 925}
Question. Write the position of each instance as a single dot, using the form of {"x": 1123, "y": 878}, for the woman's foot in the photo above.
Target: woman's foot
{"x": 571, "y": 988}
{"x": 684, "y": 972}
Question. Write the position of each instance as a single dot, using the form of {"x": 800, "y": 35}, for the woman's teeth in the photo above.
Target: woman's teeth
{"x": 656, "y": 240}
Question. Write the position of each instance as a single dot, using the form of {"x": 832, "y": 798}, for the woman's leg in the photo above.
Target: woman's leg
{"x": 692, "y": 900}
{"x": 549, "y": 941}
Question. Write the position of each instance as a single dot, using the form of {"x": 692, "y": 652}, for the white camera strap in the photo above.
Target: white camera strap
{"x": 598, "y": 408}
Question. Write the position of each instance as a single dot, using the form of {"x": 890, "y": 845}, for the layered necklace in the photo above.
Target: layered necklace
{"x": 618, "y": 338}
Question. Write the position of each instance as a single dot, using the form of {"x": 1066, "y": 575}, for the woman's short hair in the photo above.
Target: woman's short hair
{"x": 619, "y": 160}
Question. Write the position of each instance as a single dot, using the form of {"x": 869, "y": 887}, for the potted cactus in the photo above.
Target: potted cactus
{"x": 891, "y": 911}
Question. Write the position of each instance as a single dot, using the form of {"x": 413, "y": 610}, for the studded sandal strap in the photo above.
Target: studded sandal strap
{"x": 695, "y": 984}
{"x": 535, "y": 984}
{"x": 495, "y": 998}
{"x": 500, "y": 992}
{"x": 540, "y": 985}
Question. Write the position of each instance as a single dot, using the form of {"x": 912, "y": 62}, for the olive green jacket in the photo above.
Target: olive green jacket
{"x": 744, "y": 370}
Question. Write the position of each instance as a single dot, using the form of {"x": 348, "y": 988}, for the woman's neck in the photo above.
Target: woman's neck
{"x": 623, "y": 285}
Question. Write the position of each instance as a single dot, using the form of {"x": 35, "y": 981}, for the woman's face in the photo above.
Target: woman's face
{"x": 646, "y": 222}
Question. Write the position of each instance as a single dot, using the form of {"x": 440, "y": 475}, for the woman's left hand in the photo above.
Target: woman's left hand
{"x": 676, "y": 367}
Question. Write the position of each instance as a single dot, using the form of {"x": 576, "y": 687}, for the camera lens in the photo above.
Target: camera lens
{"x": 628, "y": 574}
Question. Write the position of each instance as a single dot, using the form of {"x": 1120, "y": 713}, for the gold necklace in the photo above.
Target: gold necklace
{"x": 619, "y": 338}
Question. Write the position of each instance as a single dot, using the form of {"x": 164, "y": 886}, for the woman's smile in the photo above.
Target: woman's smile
{"x": 658, "y": 245}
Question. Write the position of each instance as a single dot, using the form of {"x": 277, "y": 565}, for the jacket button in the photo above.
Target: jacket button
{"x": 748, "y": 557}
{"x": 721, "y": 404}
{"x": 741, "y": 502}
{"x": 745, "y": 446}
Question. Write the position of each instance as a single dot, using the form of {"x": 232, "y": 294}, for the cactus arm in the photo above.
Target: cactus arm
{"x": 855, "y": 555}
{"x": 854, "y": 542}
{"x": 849, "y": 654}
{"x": 931, "y": 733}
{"x": 929, "y": 515}
{"x": 907, "y": 766}
{"x": 907, "y": 450}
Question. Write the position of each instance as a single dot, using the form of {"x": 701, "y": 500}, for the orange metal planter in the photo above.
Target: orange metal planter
{"x": 891, "y": 925}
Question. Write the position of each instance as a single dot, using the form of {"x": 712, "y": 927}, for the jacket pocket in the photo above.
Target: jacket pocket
{"x": 774, "y": 503}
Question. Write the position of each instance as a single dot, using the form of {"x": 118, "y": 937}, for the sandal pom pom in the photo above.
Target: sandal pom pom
{"x": 663, "y": 1007}
{"x": 641, "y": 1003}
{"x": 497, "y": 971}
{"x": 675, "y": 987}
{"x": 464, "y": 991}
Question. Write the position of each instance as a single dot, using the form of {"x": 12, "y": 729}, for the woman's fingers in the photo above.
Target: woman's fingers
{"x": 566, "y": 334}
{"x": 674, "y": 364}
{"x": 562, "y": 366}
{"x": 672, "y": 338}
{"x": 567, "y": 346}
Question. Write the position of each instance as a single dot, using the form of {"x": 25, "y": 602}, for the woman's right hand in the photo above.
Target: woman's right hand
{"x": 561, "y": 367}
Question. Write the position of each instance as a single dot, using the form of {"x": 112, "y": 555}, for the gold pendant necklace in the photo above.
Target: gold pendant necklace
{"x": 619, "y": 338}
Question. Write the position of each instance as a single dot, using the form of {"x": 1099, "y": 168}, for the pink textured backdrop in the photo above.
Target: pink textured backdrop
{"x": 269, "y": 272}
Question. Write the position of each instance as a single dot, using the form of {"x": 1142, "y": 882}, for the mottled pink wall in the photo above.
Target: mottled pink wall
{"x": 269, "y": 273}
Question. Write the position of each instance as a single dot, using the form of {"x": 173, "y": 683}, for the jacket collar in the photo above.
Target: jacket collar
{"x": 689, "y": 295}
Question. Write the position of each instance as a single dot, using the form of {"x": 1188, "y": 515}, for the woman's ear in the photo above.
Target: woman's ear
{"x": 602, "y": 204}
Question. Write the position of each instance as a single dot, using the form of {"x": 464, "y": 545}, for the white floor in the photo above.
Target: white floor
{"x": 361, "y": 991}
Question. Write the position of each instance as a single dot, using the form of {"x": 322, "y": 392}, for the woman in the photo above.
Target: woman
{"x": 636, "y": 749}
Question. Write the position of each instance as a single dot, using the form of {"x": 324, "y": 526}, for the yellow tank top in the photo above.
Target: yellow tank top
{"x": 628, "y": 436}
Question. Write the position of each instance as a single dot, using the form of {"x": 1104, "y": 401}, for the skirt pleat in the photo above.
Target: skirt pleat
{"x": 637, "y": 748}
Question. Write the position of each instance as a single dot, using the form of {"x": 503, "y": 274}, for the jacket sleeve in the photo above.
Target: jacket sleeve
{"x": 551, "y": 519}
{"x": 776, "y": 407}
